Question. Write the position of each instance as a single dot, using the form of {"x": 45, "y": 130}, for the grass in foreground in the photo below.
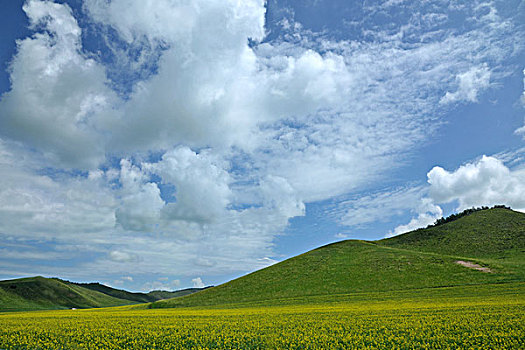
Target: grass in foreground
{"x": 475, "y": 317}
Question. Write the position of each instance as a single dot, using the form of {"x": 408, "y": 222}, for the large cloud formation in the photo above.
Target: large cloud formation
{"x": 202, "y": 137}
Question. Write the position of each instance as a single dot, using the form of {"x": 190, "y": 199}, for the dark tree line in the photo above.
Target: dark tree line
{"x": 465, "y": 212}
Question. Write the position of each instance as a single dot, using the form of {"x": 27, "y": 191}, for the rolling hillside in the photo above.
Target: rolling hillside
{"x": 39, "y": 293}
{"x": 36, "y": 293}
{"x": 491, "y": 234}
{"x": 137, "y": 297}
{"x": 424, "y": 258}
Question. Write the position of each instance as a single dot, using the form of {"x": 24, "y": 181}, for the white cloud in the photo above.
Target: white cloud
{"x": 523, "y": 94}
{"x": 205, "y": 76}
{"x": 268, "y": 261}
{"x": 201, "y": 184}
{"x": 140, "y": 200}
{"x": 56, "y": 90}
{"x": 484, "y": 182}
{"x": 428, "y": 214}
{"x": 12, "y": 254}
{"x": 385, "y": 205}
{"x": 197, "y": 283}
{"x": 279, "y": 195}
{"x": 521, "y": 131}
{"x": 470, "y": 83}
{"x": 380, "y": 206}
{"x": 123, "y": 257}
{"x": 38, "y": 206}
{"x": 157, "y": 285}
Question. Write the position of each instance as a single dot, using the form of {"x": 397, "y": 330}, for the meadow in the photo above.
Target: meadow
{"x": 469, "y": 317}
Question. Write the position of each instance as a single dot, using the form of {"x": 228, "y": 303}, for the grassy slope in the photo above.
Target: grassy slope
{"x": 420, "y": 259}
{"x": 39, "y": 293}
{"x": 138, "y": 297}
{"x": 50, "y": 293}
{"x": 494, "y": 233}
{"x": 118, "y": 293}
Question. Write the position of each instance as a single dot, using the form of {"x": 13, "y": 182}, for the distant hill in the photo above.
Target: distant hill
{"x": 138, "y": 297}
{"x": 39, "y": 293}
{"x": 162, "y": 294}
{"x": 425, "y": 258}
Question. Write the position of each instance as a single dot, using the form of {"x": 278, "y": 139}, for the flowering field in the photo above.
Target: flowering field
{"x": 484, "y": 321}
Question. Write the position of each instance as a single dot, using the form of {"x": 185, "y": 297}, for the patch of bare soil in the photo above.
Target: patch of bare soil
{"x": 474, "y": 266}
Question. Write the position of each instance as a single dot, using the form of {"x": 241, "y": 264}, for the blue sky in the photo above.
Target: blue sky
{"x": 163, "y": 145}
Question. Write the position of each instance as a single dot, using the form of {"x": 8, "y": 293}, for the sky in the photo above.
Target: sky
{"x": 165, "y": 144}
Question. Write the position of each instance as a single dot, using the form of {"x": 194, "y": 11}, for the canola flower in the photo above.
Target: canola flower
{"x": 495, "y": 323}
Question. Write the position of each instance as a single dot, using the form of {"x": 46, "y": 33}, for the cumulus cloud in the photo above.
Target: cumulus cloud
{"x": 201, "y": 184}
{"x": 204, "y": 74}
{"x": 56, "y": 90}
{"x": 484, "y": 182}
{"x": 469, "y": 84}
{"x": 197, "y": 283}
{"x": 278, "y": 194}
{"x": 140, "y": 200}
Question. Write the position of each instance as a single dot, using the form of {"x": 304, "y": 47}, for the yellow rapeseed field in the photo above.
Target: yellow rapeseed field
{"x": 490, "y": 323}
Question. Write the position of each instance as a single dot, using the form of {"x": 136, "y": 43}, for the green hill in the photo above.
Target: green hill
{"x": 138, "y": 297}
{"x": 50, "y": 293}
{"x": 424, "y": 258}
{"x": 118, "y": 293}
{"x": 39, "y": 293}
{"x": 493, "y": 234}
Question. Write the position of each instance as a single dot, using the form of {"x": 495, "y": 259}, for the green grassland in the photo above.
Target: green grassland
{"x": 424, "y": 258}
{"x": 490, "y": 316}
